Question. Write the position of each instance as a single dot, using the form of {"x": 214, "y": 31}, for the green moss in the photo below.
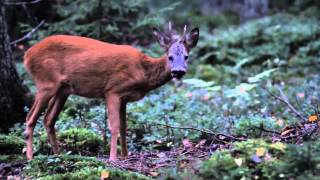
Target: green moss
{"x": 59, "y": 164}
{"x": 10, "y": 144}
{"x": 94, "y": 173}
{"x": 73, "y": 167}
{"x": 76, "y": 140}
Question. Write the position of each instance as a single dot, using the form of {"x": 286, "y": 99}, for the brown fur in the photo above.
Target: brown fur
{"x": 62, "y": 65}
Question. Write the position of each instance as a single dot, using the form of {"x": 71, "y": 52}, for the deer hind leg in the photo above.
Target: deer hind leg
{"x": 113, "y": 106}
{"x": 41, "y": 100}
{"x": 55, "y": 106}
{"x": 123, "y": 130}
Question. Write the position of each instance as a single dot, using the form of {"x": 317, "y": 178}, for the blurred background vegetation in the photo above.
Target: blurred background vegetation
{"x": 245, "y": 47}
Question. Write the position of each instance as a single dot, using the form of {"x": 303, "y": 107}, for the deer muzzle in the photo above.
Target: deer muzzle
{"x": 178, "y": 74}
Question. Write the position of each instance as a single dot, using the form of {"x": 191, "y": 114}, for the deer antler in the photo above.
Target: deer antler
{"x": 184, "y": 33}
{"x": 170, "y": 27}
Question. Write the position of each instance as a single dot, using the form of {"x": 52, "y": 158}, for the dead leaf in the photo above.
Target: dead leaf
{"x": 280, "y": 122}
{"x": 201, "y": 143}
{"x": 154, "y": 174}
{"x": 313, "y": 118}
{"x": 169, "y": 144}
{"x": 104, "y": 175}
{"x": 206, "y": 97}
{"x": 189, "y": 94}
{"x": 161, "y": 155}
{"x": 267, "y": 157}
{"x": 286, "y": 132}
{"x": 183, "y": 165}
{"x": 300, "y": 95}
{"x": 187, "y": 144}
{"x": 260, "y": 151}
{"x": 221, "y": 137}
{"x": 20, "y": 46}
{"x": 238, "y": 161}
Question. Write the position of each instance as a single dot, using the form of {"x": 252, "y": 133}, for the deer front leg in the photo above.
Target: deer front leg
{"x": 123, "y": 130}
{"x": 113, "y": 106}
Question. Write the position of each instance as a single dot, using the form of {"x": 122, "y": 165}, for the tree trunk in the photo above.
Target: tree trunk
{"x": 12, "y": 92}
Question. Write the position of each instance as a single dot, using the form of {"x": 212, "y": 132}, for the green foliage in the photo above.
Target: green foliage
{"x": 241, "y": 162}
{"x": 222, "y": 166}
{"x": 45, "y": 165}
{"x": 73, "y": 167}
{"x": 251, "y": 126}
{"x": 94, "y": 174}
{"x": 114, "y": 21}
{"x": 10, "y": 144}
{"x": 12, "y": 158}
{"x": 300, "y": 162}
{"x": 210, "y": 73}
{"x": 270, "y": 41}
{"x": 257, "y": 159}
{"x": 75, "y": 140}
{"x": 176, "y": 109}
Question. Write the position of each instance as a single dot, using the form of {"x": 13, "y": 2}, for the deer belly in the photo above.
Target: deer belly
{"x": 134, "y": 96}
{"x": 87, "y": 88}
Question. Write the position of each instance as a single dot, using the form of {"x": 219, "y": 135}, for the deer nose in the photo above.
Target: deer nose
{"x": 178, "y": 74}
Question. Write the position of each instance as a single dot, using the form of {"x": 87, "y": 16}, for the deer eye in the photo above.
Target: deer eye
{"x": 186, "y": 57}
{"x": 170, "y": 58}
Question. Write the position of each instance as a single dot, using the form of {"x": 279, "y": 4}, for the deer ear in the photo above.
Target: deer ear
{"x": 163, "y": 40}
{"x": 192, "y": 38}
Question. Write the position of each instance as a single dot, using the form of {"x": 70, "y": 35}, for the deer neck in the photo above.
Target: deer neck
{"x": 157, "y": 71}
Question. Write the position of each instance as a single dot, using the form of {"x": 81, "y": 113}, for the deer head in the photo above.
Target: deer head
{"x": 177, "y": 48}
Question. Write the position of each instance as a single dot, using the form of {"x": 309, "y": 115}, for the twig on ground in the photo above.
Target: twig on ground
{"x": 267, "y": 130}
{"x": 203, "y": 130}
{"x": 28, "y": 35}
{"x": 21, "y": 2}
{"x": 207, "y": 131}
{"x": 283, "y": 98}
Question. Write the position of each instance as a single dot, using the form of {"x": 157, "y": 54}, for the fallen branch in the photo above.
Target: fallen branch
{"x": 203, "y": 130}
{"x": 283, "y": 98}
{"x": 21, "y": 3}
{"x": 28, "y": 35}
{"x": 206, "y": 131}
{"x": 267, "y": 130}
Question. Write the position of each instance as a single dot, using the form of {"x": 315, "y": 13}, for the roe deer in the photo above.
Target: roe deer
{"x": 62, "y": 65}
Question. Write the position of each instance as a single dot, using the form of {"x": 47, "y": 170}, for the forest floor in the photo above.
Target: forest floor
{"x": 184, "y": 157}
